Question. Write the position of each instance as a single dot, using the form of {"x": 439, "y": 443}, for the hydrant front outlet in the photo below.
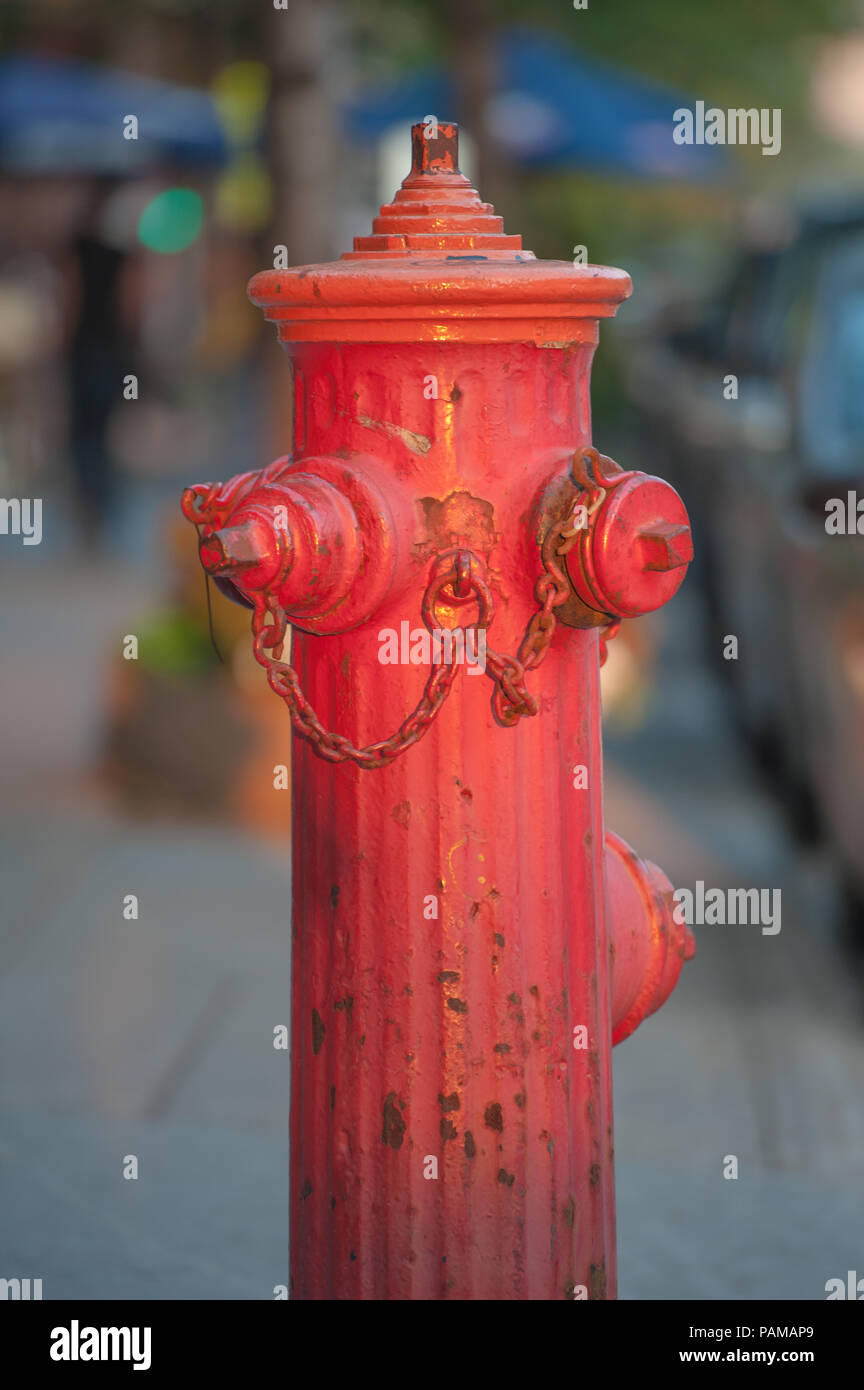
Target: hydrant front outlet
{"x": 467, "y": 943}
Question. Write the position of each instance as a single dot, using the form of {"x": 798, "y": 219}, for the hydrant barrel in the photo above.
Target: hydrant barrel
{"x": 458, "y": 964}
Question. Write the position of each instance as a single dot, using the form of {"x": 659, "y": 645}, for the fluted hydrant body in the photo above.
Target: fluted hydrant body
{"x": 466, "y": 940}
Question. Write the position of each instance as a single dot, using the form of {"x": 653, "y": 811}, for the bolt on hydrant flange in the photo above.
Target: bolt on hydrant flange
{"x": 467, "y": 942}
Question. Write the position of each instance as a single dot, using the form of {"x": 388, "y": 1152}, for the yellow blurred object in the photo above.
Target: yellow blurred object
{"x": 625, "y": 678}
{"x": 240, "y": 93}
{"x": 230, "y": 327}
{"x": 243, "y": 194}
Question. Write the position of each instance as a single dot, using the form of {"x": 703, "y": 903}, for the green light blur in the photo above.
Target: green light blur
{"x": 171, "y": 221}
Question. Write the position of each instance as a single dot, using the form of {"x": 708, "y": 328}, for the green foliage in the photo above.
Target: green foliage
{"x": 688, "y": 43}
{"x": 176, "y": 645}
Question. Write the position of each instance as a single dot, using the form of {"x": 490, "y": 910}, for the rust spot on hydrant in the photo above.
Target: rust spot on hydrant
{"x": 394, "y": 1127}
{"x": 493, "y": 1117}
{"x": 318, "y": 1031}
{"x": 459, "y": 519}
{"x": 597, "y": 1280}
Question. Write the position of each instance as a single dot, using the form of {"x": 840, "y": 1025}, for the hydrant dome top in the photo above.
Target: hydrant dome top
{"x": 436, "y": 210}
{"x": 439, "y": 266}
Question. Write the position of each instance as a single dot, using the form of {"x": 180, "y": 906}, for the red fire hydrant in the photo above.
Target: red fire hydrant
{"x": 451, "y": 555}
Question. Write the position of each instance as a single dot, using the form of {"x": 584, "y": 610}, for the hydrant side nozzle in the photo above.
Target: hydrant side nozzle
{"x": 633, "y": 553}
{"x": 246, "y": 552}
{"x": 234, "y": 548}
{"x": 647, "y": 944}
{"x": 319, "y": 536}
{"x": 298, "y": 537}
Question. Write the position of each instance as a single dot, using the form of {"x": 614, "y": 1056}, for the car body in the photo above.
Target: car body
{"x": 758, "y": 410}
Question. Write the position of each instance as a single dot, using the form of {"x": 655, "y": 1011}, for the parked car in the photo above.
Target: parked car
{"x": 758, "y": 410}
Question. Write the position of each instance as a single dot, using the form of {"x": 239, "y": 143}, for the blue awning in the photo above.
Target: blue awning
{"x": 553, "y": 106}
{"x": 61, "y": 117}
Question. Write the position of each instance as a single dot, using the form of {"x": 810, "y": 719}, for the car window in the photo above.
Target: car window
{"x": 740, "y": 311}
{"x": 831, "y": 418}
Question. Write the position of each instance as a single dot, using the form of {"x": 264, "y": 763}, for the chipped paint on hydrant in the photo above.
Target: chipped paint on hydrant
{"x": 452, "y": 555}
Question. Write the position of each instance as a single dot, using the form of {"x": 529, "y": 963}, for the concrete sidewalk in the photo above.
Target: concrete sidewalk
{"x": 151, "y": 1038}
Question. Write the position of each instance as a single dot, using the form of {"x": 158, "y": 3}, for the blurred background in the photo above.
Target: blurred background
{"x": 131, "y": 364}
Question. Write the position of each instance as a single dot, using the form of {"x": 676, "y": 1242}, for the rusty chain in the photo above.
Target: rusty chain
{"x": 333, "y": 747}
{"x": 551, "y": 590}
{"x": 511, "y": 699}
